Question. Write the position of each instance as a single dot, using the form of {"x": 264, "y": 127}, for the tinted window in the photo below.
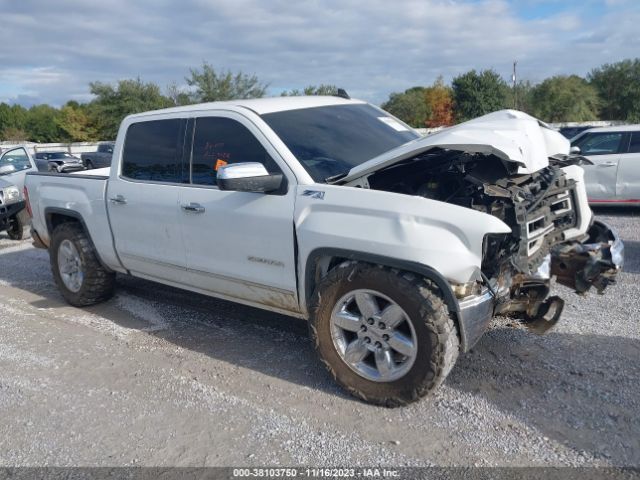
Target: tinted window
{"x": 331, "y": 140}
{"x": 153, "y": 151}
{"x": 599, "y": 143}
{"x": 634, "y": 146}
{"x": 220, "y": 141}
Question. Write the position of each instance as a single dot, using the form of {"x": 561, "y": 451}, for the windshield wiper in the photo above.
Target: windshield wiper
{"x": 335, "y": 178}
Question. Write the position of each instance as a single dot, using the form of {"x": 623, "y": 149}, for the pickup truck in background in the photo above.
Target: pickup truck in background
{"x": 101, "y": 158}
{"x": 15, "y": 163}
{"x": 13, "y": 217}
{"x": 398, "y": 249}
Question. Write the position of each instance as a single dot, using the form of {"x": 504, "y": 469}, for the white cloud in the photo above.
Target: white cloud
{"x": 371, "y": 48}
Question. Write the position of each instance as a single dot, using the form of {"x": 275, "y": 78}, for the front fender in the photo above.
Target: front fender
{"x": 445, "y": 237}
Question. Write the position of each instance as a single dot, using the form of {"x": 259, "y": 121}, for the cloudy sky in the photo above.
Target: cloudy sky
{"x": 51, "y": 49}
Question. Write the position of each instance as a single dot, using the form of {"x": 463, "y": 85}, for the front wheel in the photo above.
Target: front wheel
{"x": 80, "y": 277}
{"x": 17, "y": 225}
{"x": 385, "y": 335}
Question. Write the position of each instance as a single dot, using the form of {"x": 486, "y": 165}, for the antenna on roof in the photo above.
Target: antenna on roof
{"x": 342, "y": 93}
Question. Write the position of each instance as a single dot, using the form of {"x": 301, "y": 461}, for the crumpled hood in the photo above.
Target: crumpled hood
{"x": 511, "y": 135}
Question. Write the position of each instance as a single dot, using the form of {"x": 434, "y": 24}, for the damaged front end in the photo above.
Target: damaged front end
{"x": 594, "y": 262}
{"x": 513, "y": 167}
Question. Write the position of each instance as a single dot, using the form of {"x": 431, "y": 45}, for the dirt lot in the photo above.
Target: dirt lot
{"x": 158, "y": 376}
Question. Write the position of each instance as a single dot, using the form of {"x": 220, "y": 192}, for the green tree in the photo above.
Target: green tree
{"x": 409, "y": 106}
{"x": 520, "y": 99}
{"x": 113, "y": 103}
{"x": 565, "y": 99}
{"x": 312, "y": 90}
{"x": 618, "y": 86}
{"x": 75, "y": 123}
{"x": 211, "y": 86}
{"x": 13, "y": 134}
{"x": 42, "y": 124}
{"x": 478, "y": 93}
{"x": 12, "y": 117}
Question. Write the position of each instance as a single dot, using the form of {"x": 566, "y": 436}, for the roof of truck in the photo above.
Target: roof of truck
{"x": 262, "y": 105}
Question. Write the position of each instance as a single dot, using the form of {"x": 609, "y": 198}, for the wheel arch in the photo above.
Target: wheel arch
{"x": 56, "y": 216}
{"x": 322, "y": 260}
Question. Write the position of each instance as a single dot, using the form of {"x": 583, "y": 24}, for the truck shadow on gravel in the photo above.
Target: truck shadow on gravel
{"x": 579, "y": 389}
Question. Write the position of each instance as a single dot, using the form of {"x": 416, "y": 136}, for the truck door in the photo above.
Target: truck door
{"x": 14, "y": 165}
{"x": 603, "y": 149}
{"x": 239, "y": 245}
{"x": 628, "y": 182}
{"x": 143, "y": 200}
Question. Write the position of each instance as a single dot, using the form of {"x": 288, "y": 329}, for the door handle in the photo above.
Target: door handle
{"x": 118, "y": 200}
{"x": 607, "y": 164}
{"x": 193, "y": 208}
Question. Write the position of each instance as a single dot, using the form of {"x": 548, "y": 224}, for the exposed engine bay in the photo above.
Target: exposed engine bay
{"x": 542, "y": 210}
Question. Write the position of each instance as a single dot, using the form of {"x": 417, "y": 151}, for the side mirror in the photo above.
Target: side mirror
{"x": 574, "y": 150}
{"x": 248, "y": 177}
{"x": 7, "y": 169}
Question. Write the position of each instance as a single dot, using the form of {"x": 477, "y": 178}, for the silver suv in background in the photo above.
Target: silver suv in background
{"x": 60, "y": 162}
{"x": 614, "y": 177}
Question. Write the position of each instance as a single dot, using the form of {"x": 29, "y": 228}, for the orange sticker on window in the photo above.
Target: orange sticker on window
{"x": 219, "y": 163}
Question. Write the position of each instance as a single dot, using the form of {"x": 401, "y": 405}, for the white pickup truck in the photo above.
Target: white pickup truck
{"x": 398, "y": 249}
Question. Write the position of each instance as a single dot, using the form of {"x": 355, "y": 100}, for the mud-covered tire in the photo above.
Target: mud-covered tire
{"x": 433, "y": 326}
{"x": 17, "y": 225}
{"x": 97, "y": 284}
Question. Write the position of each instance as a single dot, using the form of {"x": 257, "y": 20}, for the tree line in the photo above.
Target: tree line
{"x": 609, "y": 92}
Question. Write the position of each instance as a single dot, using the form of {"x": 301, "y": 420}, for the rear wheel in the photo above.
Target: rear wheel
{"x": 82, "y": 280}
{"x": 385, "y": 335}
{"x": 88, "y": 164}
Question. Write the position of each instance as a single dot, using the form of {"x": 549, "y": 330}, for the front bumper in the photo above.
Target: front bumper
{"x": 70, "y": 167}
{"x": 596, "y": 262}
{"x": 8, "y": 211}
{"x": 474, "y": 315}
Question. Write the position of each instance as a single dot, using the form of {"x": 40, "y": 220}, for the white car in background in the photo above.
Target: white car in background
{"x": 614, "y": 177}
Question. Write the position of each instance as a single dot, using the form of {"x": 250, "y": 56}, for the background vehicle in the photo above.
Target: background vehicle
{"x": 13, "y": 217}
{"x": 61, "y": 162}
{"x": 15, "y": 163}
{"x": 101, "y": 158}
{"x": 614, "y": 177}
{"x": 398, "y": 248}
{"x": 571, "y": 132}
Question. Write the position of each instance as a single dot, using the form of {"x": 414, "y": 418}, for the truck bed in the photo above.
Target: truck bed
{"x": 82, "y": 196}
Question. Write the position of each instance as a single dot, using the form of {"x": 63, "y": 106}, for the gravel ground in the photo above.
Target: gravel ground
{"x": 161, "y": 377}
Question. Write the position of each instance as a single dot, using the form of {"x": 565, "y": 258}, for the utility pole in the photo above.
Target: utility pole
{"x": 515, "y": 90}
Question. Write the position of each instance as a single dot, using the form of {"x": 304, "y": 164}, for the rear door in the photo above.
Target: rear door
{"x": 143, "y": 200}
{"x": 628, "y": 180}
{"x": 604, "y": 150}
{"x": 238, "y": 244}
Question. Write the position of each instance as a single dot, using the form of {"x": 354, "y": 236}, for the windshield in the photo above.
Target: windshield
{"x": 59, "y": 155}
{"x": 330, "y": 141}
